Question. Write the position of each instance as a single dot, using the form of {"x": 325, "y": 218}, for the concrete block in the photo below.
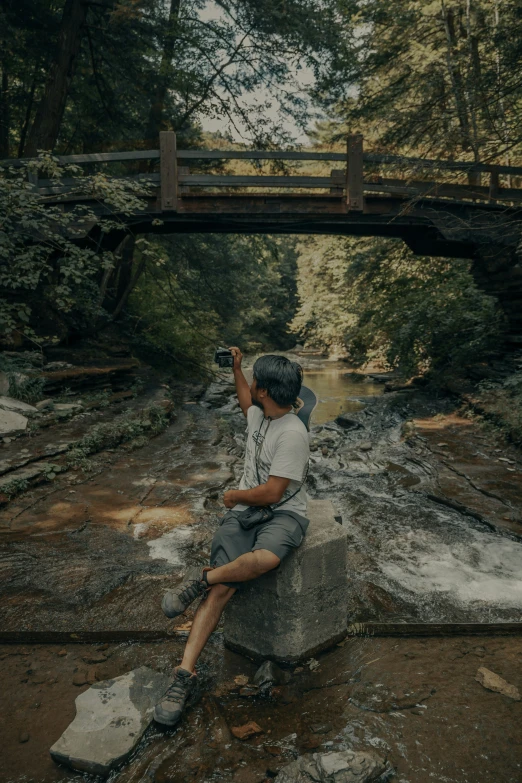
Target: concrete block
{"x": 301, "y": 607}
{"x": 111, "y": 717}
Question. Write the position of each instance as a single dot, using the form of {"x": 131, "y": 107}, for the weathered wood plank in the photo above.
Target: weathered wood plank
{"x": 444, "y": 189}
{"x": 355, "y": 629}
{"x": 493, "y": 185}
{"x": 354, "y": 173}
{"x": 444, "y": 165}
{"x": 199, "y": 154}
{"x": 434, "y": 629}
{"x": 217, "y": 180}
{"x": 168, "y": 171}
{"x": 93, "y": 157}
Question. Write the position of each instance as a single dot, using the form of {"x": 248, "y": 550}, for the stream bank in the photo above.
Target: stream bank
{"x": 431, "y": 503}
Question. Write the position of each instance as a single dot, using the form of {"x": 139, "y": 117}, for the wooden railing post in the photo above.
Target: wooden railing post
{"x": 493, "y": 185}
{"x": 168, "y": 171}
{"x": 354, "y": 173}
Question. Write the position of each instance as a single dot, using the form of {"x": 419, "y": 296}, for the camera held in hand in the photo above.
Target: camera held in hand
{"x": 224, "y": 358}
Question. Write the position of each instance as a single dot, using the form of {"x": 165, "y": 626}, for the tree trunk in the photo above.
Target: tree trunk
{"x": 157, "y": 106}
{"x": 456, "y": 78}
{"x": 46, "y": 125}
{"x": 4, "y": 114}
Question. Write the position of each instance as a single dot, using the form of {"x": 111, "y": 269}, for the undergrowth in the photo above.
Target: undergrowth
{"x": 129, "y": 427}
{"x": 502, "y": 402}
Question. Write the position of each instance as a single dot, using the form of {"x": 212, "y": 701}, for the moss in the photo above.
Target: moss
{"x": 129, "y": 427}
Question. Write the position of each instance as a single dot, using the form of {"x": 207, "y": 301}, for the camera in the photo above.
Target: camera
{"x": 224, "y": 358}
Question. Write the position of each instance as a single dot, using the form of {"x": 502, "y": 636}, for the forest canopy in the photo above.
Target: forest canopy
{"x": 434, "y": 79}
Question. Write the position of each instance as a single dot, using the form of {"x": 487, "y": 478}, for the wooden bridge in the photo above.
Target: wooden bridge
{"x": 432, "y": 217}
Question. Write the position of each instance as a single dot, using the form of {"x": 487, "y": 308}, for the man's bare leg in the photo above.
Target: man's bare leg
{"x": 205, "y": 621}
{"x": 246, "y": 567}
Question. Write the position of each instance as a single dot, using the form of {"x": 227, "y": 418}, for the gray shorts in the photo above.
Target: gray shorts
{"x": 280, "y": 535}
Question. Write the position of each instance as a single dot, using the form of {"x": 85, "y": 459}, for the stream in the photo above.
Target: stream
{"x": 431, "y": 501}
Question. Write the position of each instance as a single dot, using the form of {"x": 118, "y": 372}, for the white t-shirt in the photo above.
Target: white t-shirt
{"x": 282, "y": 449}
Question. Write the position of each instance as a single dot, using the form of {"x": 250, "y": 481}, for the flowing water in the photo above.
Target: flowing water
{"x": 96, "y": 552}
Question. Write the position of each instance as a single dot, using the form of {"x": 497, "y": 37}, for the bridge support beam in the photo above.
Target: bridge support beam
{"x": 354, "y": 173}
{"x": 497, "y": 270}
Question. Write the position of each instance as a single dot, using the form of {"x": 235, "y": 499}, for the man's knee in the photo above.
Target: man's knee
{"x": 220, "y": 593}
{"x": 265, "y": 560}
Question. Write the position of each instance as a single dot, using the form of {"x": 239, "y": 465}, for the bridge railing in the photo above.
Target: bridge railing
{"x": 174, "y": 180}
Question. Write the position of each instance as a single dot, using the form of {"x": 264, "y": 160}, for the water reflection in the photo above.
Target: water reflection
{"x": 339, "y": 391}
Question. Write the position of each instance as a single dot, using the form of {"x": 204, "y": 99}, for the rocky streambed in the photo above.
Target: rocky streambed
{"x": 431, "y": 501}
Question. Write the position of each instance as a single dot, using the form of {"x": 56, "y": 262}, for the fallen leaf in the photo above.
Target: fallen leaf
{"x": 184, "y": 626}
{"x": 241, "y": 679}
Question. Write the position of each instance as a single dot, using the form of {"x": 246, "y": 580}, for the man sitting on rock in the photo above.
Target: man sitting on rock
{"x": 276, "y": 458}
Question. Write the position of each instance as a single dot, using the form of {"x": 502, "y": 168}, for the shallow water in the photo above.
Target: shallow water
{"x": 98, "y": 553}
{"x": 338, "y": 392}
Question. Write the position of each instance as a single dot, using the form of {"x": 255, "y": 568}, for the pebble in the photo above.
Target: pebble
{"x": 98, "y": 657}
{"x": 24, "y": 736}
{"x": 80, "y": 678}
{"x": 248, "y": 690}
{"x": 61, "y": 653}
{"x": 320, "y": 728}
{"x": 365, "y": 445}
{"x": 247, "y": 730}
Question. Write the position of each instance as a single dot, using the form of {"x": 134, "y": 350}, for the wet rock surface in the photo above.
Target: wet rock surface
{"x": 341, "y": 767}
{"x": 432, "y": 515}
{"x": 462, "y": 732}
{"x": 111, "y": 717}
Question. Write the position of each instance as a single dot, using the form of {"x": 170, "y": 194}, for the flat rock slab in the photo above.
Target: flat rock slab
{"x": 493, "y": 682}
{"x": 347, "y": 766}
{"x": 11, "y": 422}
{"x": 10, "y": 404}
{"x": 111, "y": 718}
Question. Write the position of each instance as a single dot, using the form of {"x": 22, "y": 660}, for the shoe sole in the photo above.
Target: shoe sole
{"x": 166, "y": 722}
{"x": 168, "y": 612}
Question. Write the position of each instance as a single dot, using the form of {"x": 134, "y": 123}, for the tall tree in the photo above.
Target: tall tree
{"x": 46, "y": 124}
{"x": 438, "y": 78}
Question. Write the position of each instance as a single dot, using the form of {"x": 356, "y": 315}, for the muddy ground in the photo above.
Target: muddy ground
{"x": 432, "y": 504}
{"x": 416, "y": 701}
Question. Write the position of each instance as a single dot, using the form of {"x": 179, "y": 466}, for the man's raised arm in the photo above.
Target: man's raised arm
{"x": 242, "y": 387}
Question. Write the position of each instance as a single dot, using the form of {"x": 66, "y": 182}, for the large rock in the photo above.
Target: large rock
{"x": 218, "y": 393}
{"x": 300, "y": 608}
{"x": 346, "y": 766}
{"x": 10, "y": 404}
{"x": 111, "y": 717}
{"x": 11, "y": 422}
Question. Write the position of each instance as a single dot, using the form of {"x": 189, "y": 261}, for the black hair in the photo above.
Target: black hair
{"x": 280, "y": 377}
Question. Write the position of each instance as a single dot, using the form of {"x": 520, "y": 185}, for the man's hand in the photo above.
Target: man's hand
{"x": 238, "y": 357}
{"x": 242, "y": 388}
{"x": 229, "y": 498}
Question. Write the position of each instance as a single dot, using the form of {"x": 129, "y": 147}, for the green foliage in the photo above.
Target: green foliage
{"x": 210, "y": 290}
{"x": 15, "y": 487}
{"x": 47, "y": 279}
{"x": 382, "y": 302}
{"x": 502, "y": 402}
{"x": 27, "y": 389}
{"x": 129, "y": 427}
{"x": 429, "y": 77}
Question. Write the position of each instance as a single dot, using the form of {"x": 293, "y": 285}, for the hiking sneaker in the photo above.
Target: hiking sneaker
{"x": 176, "y": 601}
{"x": 168, "y": 710}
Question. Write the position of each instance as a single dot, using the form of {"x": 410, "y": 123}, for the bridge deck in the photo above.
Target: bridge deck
{"x": 436, "y": 218}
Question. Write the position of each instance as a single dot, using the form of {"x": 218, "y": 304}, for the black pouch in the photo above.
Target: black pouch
{"x": 254, "y": 515}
